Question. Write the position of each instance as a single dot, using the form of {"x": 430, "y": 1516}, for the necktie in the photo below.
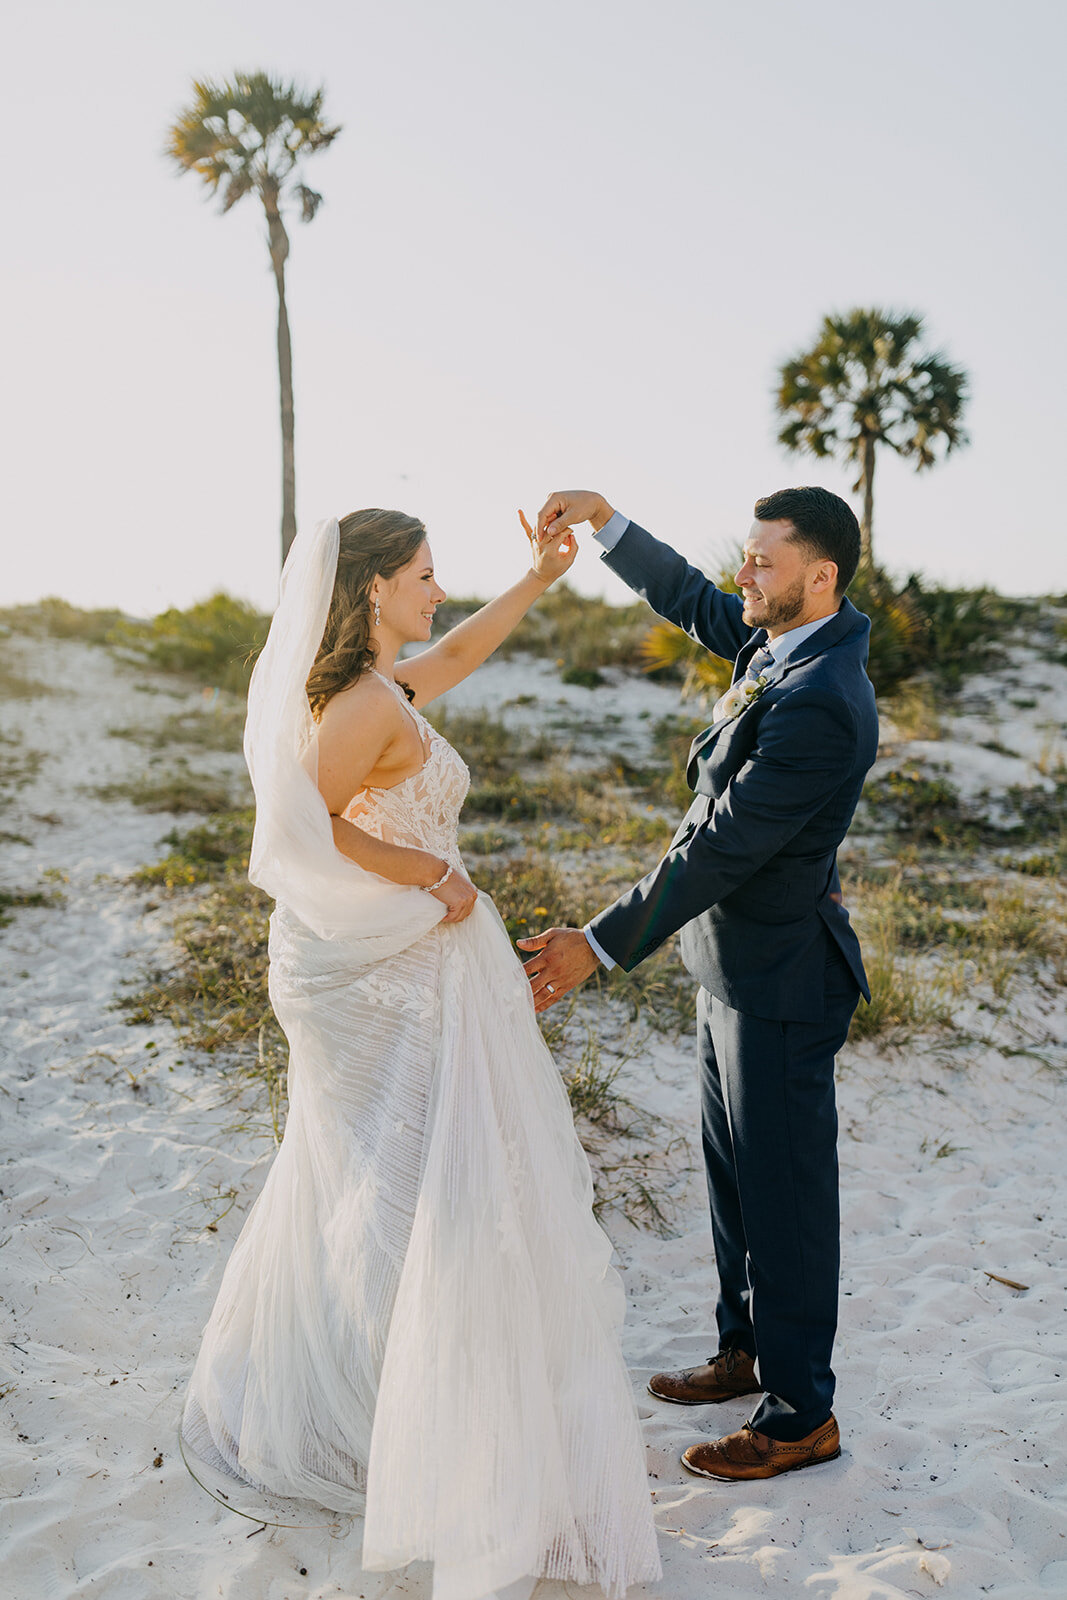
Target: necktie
{"x": 760, "y": 662}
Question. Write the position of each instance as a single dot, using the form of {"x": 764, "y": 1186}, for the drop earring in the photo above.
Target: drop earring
{"x": 377, "y": 613}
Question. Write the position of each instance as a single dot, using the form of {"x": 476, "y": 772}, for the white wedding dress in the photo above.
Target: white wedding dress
{"x": 419, "y": 1320}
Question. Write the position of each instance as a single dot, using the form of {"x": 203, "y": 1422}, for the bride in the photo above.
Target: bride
{"x": 419, "y": 1320}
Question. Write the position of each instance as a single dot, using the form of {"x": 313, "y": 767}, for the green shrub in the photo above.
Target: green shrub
{"x": 928, "y": 809}
{"x": 582, "y": 677}
{"x": 215, "y": 641}
{"x": 204, "y": 853}
{"x": 963, "y": 629}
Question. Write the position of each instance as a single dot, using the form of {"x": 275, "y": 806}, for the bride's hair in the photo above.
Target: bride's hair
{"x": 373, "y": 544}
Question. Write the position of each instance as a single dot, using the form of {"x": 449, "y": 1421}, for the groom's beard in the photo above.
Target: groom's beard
{"x": 784, "y": 609}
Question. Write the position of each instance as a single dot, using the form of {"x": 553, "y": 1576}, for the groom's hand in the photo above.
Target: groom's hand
{"x": 569, "y": 506}
{"x": 563, "y": 959}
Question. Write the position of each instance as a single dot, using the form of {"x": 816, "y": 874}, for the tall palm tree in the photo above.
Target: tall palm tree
{"x": 867, "y": 382}
{"x": 248, "y": 135}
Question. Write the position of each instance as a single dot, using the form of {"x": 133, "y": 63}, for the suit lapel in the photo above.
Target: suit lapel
{"x": 702, "y": 741}
{"x": 844, "y": 623}
{"x": 746, "y": 652}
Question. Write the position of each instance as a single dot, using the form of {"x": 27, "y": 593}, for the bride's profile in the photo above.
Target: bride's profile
{"x": 419, "y": 1321}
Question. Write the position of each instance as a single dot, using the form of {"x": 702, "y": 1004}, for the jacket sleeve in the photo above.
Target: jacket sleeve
{"x": 802, "y": 752}
{"x": 679, "y": 592}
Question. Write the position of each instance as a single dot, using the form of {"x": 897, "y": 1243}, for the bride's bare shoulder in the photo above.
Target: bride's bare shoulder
{"x": 367, "y": 707}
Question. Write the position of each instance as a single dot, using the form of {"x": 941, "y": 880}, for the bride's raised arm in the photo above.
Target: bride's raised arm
{"x": 469, "y": 643}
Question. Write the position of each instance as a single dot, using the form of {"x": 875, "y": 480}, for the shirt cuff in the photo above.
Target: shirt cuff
{"x": 609, "y": 536}
{"x": 600, "y": 954}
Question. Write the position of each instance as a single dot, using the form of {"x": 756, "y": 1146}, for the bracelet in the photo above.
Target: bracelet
{"x": 430, "y": 887}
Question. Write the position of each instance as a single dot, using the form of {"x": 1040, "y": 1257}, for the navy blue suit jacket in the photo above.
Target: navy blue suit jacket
{"x": 750, "y": 873}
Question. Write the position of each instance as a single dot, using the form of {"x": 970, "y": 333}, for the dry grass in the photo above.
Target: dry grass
{"x": 581, "y": 635}
{"x": 14, "y": 685}
{"x": 913, "y": 710}
{"x": 531, "y": 893}
{"x": 215, "y": 993}
{"x": 930, "y": 936}
{"x": 218, "y": 725}
{"x": 53, "y": 618}
{"x": 176, "y": 791}
{"x": 635, "y": 1160}
{"x": 16, "y": 899}
{"x": 17, "y": 766}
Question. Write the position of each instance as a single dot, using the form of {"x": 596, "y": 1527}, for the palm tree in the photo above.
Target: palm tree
{"x": 866, "y": 382}
{"x": 245, "y": 136}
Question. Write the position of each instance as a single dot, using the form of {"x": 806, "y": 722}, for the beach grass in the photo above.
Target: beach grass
{"x": 58, "y": 619}
{"x": 930, "y": 935}
{"x": 12, "y": 900}
{"x": 582, "y": 635}
{"x": 15, "y": 685}
{"x": 18, "y": 765}
{"x": 217, "y": 725}
{"x": 634, "y": 1157}
{"x": 177, "y": 790}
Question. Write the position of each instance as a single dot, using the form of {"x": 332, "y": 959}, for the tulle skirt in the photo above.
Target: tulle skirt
{"x": 419, "y": 1321}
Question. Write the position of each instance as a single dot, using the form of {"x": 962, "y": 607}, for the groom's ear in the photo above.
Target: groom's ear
{"x": 824, "y": 579}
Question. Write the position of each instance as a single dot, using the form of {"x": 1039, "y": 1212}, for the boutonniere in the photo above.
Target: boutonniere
{"x": 741, "y": 695}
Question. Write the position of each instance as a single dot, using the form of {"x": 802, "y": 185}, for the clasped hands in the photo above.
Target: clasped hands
{"x": 563, "y": 957}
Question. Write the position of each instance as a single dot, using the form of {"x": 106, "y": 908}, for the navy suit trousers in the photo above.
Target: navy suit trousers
{"x": 770, "y": 1147}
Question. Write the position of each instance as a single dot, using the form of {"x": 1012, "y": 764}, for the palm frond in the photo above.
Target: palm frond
{"x": 249, "y": 132}
{"x": 706, "y": 676}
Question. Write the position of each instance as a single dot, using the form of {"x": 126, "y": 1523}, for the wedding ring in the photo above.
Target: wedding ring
{"x": 551, "y": 988}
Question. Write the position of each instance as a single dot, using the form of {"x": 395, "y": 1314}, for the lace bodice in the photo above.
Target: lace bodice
{"x": 422, "y": 810}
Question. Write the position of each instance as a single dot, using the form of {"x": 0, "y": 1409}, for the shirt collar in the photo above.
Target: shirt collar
{"x": 786, "y": 643}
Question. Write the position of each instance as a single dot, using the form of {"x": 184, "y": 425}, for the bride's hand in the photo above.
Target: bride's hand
{"x": 551, "y": 553}
{"x": 458, "y": 894}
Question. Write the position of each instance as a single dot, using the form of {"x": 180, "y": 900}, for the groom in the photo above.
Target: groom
{"x": 750, "y": 879}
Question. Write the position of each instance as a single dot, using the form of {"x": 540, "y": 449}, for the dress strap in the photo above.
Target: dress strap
{"x": 422, "y": 727}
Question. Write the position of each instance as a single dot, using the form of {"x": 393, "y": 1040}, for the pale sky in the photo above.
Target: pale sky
{"x": 564, "y": 244}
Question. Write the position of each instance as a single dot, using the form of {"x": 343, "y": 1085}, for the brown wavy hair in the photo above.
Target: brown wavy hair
{"x": 374, "y": 544}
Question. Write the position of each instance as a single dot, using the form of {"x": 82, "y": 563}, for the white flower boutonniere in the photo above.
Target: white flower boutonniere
{"x": 740, "y": 696}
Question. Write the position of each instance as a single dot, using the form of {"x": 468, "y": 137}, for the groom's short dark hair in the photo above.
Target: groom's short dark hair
{"x": 825, "y": 524}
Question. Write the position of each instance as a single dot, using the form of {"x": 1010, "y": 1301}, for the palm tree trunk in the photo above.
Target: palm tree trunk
{"x": 279, "y": 253}
{"x": 867, "y": 521}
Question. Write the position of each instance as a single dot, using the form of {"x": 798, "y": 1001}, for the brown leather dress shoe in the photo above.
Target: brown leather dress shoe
{"x": 748, "y": 1454}
{"x": 725, "y": 1377}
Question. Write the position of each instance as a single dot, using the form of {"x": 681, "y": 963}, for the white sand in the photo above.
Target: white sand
{"x": 120, "y": 1149}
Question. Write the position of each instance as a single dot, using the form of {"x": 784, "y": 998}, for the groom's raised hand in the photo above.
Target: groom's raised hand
{"x": 562, "y": 960}
{"x": 568, "y": 506}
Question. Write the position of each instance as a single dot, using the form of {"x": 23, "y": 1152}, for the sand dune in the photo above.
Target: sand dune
{"x": 129, "y": 1166}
